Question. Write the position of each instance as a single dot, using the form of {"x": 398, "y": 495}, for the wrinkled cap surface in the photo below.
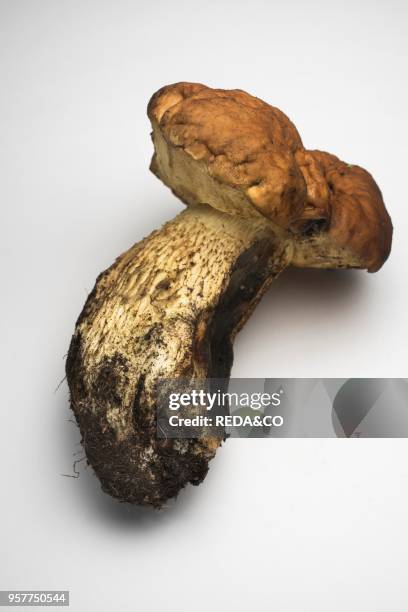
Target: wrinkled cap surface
{"x": 254, "y": 148}
{"x": 351, "y": 207}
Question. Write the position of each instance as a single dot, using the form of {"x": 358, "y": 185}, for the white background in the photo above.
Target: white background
{"x": 285, "y": 525}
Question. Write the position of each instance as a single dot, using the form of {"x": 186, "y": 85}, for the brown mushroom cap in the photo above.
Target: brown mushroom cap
{"x": 243, "y": 142}
{"x": 349, "y": 201}
{"x": 237, "y": 153}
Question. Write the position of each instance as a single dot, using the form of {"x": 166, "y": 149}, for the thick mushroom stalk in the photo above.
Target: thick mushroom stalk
{"x": 169, "y": 307}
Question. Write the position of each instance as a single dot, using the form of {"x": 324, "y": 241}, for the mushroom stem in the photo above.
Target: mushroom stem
{"x": 168, "y": 308}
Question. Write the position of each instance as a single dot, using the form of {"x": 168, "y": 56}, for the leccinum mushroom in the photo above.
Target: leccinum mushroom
{"x": 171, "y": 305}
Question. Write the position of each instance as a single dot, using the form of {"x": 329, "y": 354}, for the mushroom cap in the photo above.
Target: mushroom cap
{"x": 243, "y": 142}
{"x": 351, "y": 208}
{"x": 251, "y": 150}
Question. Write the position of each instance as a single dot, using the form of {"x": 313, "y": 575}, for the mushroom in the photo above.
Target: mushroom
{"x": 170, "y": 306}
